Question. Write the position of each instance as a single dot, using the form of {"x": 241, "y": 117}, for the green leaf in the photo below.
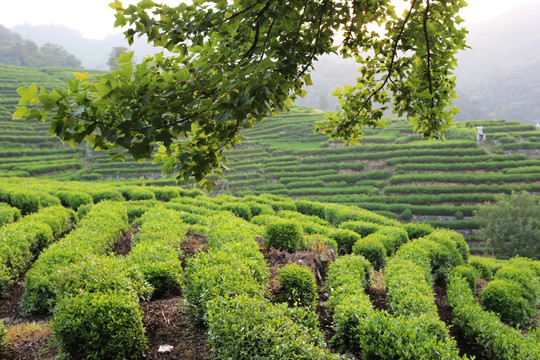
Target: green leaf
{"x": 336, "y": 92}
{"x": 27, "y": 94}
{"x": 21, "y": 112}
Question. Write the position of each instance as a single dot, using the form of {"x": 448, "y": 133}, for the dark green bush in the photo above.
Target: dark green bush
{"x": 298, "y": 286}
{"x": 345, "y": 239}
{"x": 247, "y": 328}
{"x": 506, "y": 298}
{"x": 99, "y": 326}
{"x": 373, "y": 250}
{"x": 259, "y": 208}
{"x": 108, "y": 194}
{"x": 406, "y": 215}
{"x": 466, "y": 272}
{"x": 483, "y": 270}
{"x": 74, "y": 199}
{"x": 241, "y": 210}
{"x": 26, "y": 201}
{"x": 166, "y": 193}
{"x": 459, "y": 215}
{"x": 284, "y": 234}
{"x": 362, "y": 228}
{"x": 310, "y": 208}
{"x": 137, "y": 193}
{"x": 418, "y": 230}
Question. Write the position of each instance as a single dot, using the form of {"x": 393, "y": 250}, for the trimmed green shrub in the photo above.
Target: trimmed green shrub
{"x": 26, "y": 201}
{"x": 247, "y": 328}
{"x": 506, "y": 298}
{"x": 166, "y": 193}
{"x": 406, "y": 214}
{"x": 466, "y": 272}
{"x": 8, "y": 214}
{"x": 362, "y": 228}
{"x": 418, "y": 230}
{"x": 348, "y": 274}
{"x": 345, "y": 239}
{"x": 284, "y": 234}
{"x": 107, "y": 194}
{"x": 298, "y": 287}
{"x": 74, "y": 199}
{"x": 310, "y": 208}
{"x": 137, "y": 193}
{"x": 373, "y": 250}
{"x": 483, "y": 270}
{"x": 392, "y": 237}
{"x": 259, "y": 208}
{"x": 241, "y": 210}
{"x": 99, "y": 326}
{"x": 459, "y": 215}
{"x": 47, "y": 200}
{"x": 525, "y": 277}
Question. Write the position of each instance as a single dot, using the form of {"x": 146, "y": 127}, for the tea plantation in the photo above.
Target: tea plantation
{"x": 59, "y": 241}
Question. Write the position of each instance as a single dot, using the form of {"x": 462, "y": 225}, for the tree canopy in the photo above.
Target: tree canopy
{"x": 512, "y": 225}
{"x": 231, "y": 63}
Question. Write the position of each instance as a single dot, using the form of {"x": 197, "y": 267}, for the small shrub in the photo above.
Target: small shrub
{"x": 406, "y": 215}
{"x": 418, "y": 230}
{"x": 241, "y": 210}
{"x": 166, "y": 193}
{"x": 100, "y": 326}
{"x": 373, "y": 250}
{"x": 505, "y": 298}
{"x": 483, "y": 270}
{"x": 27, "y": 202}
{"x": 459, "y": 215}
{"x": 345, "y": 239}
{"x": 102, "y": 195}
{"x": 362, "y": 228}
{"x": 298, "y": 285}
{"x": 284, "y": 234}
{"x": 466, "y": 272}
{"x": 74, "y": 199}
{"x": 137, "y": 193}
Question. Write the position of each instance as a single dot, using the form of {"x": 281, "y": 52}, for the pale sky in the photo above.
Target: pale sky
{"x": 94, "y": 19}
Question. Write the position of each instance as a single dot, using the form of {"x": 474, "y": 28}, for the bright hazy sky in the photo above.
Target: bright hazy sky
{"x": 94, "y": 19}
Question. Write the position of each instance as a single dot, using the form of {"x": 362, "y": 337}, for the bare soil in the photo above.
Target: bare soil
{"x": 123, "y": 246}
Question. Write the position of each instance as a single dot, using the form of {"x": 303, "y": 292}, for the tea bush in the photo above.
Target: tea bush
{"x": 506, "y": 298}
{"x": 74, "y": 199}
{"x": 165, "y": 193}
{"x": 417, "y": 230}
{"x": 284, "y": 234}
{"x": 107, "y": 194}
{"x": 26, "y": 201}
{"x": 8, "y": 214}
{"x": 99, "y": 326}
{"x": 484, "y": 329}
{"x": 137, "y": 193}
{"x": 298, "y": 286}
{"x": 268, "y": 331}
{"x": 373, "y": 250}
{"x": 466, "y": 272}
{"x": 345, "y": 239}
{"x": 362, "y": 228}
{"x": 239, "y": 209}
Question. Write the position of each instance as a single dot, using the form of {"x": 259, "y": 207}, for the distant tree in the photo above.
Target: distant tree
{"x": 114, "y": 55}
{"x": 56, "y": 55}
{"x": 512, "y": 225}
{"x": 234, "y": 62}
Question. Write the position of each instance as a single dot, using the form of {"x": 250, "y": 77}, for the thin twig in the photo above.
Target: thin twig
{"x": 426, "y": 14}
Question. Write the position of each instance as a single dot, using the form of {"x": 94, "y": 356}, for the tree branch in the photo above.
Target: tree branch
{"x": 392, "y": 61}
{"x": 426, "y": 35}
{"x": 317, "y": 37}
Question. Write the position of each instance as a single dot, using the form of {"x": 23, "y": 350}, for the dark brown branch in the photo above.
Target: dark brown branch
{"x": 428, "y": 55}
{"x": 392, "y": 61}
{"x": 255, "y": 3}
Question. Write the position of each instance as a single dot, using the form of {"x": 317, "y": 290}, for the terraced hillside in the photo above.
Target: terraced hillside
{"x": 394, "y": 172}
{"x": 258, "y": 277}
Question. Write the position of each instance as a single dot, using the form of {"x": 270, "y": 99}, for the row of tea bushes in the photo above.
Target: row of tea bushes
{"x": 8, "y": 214}
{"x": 373, "y": 334}
{"x": 227, "y": 288}
{"x": 95, "y": 235}
{"x": 484, "y": 329}
{"x": 22, "y": 242}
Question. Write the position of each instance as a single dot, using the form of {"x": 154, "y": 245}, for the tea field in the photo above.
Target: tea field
{"x": 112, "y": 271}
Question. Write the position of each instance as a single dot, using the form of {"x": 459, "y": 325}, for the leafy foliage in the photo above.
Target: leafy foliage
{"x": 100, "y": 325}
{"x": 233, "y": 63}
{"x": 298, "y": 285}
{"x": 512, "y": 225}
{"x": 284, "y": 234}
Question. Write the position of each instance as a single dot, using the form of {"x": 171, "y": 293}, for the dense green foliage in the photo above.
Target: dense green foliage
{"x": 245, "y": 61}
{"x": 512, "y": 225}
{"x": 99, "y": 325}
{"x": 284, "y": 234}
{"x": 298, "y": 286}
